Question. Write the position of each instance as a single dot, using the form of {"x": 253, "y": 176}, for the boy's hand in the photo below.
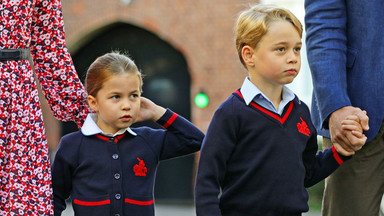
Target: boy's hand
{"x": 345, "y": 138}
{"x": 149, "y": 110}
{"x": 352, "y": 127}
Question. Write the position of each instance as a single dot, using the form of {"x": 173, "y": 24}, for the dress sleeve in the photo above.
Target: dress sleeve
{"x": 218, "y": 145}
{"x": 326, "y": 42}
{"x": 53, "y": 65}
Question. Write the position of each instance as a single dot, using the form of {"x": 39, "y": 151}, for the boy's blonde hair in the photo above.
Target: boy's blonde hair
{"x": 253, "y": 23}
{"x": 108, "y": 65}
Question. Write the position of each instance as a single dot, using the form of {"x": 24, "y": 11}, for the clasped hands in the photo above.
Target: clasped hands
{"x": 346, "y": 127}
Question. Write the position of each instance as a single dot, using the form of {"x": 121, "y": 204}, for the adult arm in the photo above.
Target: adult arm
{"x": 326, "y": 41}
{"x": 53, "y": 64}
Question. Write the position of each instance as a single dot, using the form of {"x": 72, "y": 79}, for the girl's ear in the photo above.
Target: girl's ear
{"x": 247, "y": 55}
{"x": 92, "y": 102}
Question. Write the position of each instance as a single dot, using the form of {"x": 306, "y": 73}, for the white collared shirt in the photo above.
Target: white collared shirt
{"x": 250, "y": 93}
{"x": 90, "y": 127}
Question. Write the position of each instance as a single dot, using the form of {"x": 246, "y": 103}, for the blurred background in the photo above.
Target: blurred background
{"x": 185, "y": 49}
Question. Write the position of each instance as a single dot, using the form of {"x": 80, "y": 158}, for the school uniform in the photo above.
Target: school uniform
{"x": 257, "y": 162}
{"x": 115, "y": 175}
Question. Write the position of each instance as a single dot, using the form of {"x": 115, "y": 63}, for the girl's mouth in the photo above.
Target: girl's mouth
{"x": 126, "y": 118}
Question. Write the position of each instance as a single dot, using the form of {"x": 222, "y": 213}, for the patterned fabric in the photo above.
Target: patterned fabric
{"x": 25, "y": 177}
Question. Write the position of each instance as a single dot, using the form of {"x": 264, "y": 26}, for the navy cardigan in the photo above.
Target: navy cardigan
{"x": 115, "y": 176}
{"x": 255, "y": 162}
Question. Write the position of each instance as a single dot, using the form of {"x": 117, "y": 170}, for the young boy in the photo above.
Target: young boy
{"x": 259, "y": 153}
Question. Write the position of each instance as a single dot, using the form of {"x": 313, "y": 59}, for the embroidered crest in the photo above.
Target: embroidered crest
{"x": 303, "y": 127}
{"x": 140, "y": 169}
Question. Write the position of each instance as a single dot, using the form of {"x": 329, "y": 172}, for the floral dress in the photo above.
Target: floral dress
{"x": 25, "y": 176}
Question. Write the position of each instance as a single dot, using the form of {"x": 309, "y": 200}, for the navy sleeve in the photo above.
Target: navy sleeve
{"x": 326, "y": 41}
{"x": 218, "y": 145}
{"x": 62, "y": 169}
{"x": 181, "y": 136}
{"x": 321, "y": 164}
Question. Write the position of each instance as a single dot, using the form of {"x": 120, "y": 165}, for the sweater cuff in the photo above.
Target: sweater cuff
{"x": 340, "y": 159}
{"x": 167, "y": 119}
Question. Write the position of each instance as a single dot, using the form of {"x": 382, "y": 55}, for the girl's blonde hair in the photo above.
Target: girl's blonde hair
{"x": 253, "y": 23}
{"x": 108, "y": 65}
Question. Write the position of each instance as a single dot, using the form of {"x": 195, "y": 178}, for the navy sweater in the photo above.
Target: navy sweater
{"x": 115, "y": 176}
{"x": 259, "y": 161}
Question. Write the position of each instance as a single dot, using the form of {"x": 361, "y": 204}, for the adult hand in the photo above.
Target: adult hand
{"x": 345, "y": 138}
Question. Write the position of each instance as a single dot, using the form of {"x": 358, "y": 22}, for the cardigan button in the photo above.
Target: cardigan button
{"x": 117, "y": 214}
{"x": 117, "y": 176}
{"x": 115, "y": 156}
{"x": 117, "y": 196}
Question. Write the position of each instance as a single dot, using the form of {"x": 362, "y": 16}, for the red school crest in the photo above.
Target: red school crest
{"x": 303, "y": 127}
{"x": 140, "y": 169}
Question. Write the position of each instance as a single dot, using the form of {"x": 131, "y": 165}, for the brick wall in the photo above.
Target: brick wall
{"x": 202, "y": 30}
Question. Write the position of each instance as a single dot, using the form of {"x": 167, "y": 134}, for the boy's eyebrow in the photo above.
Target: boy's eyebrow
{"x": 285, "y": 43}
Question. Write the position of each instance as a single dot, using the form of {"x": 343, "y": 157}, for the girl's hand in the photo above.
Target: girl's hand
{"x": 149, "y": 110}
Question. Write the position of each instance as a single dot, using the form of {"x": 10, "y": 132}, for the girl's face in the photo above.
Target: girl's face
{"x": 117, "y": 103}
{"x": 277, "y": 56}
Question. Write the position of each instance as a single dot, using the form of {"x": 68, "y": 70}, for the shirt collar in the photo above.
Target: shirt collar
{"x": 90, "y": 127}
{"x": 250, "y": 91}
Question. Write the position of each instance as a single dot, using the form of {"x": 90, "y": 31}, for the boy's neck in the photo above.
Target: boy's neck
{"x": 273, "y": 92}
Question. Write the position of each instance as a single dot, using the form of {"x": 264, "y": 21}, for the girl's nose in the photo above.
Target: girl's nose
{"x": 126, "y": 105}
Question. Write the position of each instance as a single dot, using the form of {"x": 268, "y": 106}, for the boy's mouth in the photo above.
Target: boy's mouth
{"x": 291, "y": 71}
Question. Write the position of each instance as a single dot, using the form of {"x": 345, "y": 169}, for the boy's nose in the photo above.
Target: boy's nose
{"x": 293, "y": 58}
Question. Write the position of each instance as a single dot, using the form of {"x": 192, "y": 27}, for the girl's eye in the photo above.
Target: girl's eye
{"x": 134, "y": 95}
{"x": 297, "y": 49}
{"x": 115, "y": 97}
{"x": 281, "y": 49}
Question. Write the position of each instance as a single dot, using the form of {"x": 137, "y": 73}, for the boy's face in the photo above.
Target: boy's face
{"x": 117, "y": 103}
{"x": 277, "y": 56}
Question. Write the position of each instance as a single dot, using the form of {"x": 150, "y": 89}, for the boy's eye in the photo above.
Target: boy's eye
{"x": 281, "y": 49}
{"x": 115, "y": 97}
{"x": 297, "y": 49}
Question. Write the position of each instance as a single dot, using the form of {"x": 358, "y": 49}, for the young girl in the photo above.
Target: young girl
{"x": 108, "y": 168}
{"x": 259, "y": 153}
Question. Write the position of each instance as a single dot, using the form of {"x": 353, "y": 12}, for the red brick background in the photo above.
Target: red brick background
{"x": 202, "y": 30}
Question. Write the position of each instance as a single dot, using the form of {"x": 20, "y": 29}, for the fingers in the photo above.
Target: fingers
{"x": 363, "y": 119}
{"x": 351, "y": 125}
{"x": 346, "y": 127}
{"x": 344, "y": 143}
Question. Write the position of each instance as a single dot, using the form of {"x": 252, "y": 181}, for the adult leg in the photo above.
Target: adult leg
{"x": 357, "y": 186}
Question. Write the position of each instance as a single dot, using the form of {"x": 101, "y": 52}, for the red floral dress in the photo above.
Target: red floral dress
{"x": 25, "y": 176}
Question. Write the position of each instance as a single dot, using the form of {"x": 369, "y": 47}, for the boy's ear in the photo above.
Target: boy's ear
{"x": 92, "y": 102}
{"x": 247, "y": 54}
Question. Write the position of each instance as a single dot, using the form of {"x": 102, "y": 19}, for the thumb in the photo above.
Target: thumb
{"x": 364, "y": 120}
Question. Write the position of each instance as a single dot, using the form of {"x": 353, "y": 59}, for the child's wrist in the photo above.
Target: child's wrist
{"x": 158, "y": 112}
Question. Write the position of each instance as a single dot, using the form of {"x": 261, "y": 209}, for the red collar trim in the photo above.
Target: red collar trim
{"x": 115, "y": 139}
{"x": 273, "y": 115}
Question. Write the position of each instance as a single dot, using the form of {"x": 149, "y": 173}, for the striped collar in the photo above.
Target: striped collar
{"x": 251, "y": 93}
